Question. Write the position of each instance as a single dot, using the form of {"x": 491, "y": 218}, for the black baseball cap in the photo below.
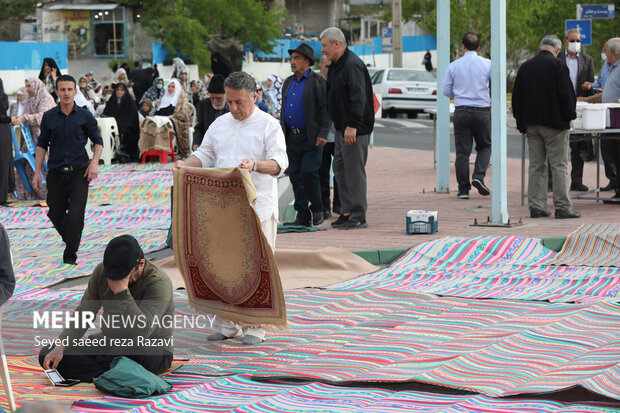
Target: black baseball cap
{"x": 121, "y": 255}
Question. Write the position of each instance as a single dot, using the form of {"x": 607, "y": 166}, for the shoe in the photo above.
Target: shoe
{"x": 341, "y": 220}
{"x": 317, "y": 218}
{"x": 69, "y": 261}
{"x": 300, "y": 221}
{"x": 578, "y": 187}
{"x": 327, "y": 214}
{"x": 615, "y": 200}
{"x": 217, "y": 337}
{"x": 549, "y": 188}
{"x": 538, "y": 213}
{"x": 611, "y": 186}
{"x": 250, "y": 340}
{"x": 69, "y": 258}
{"x": 565, "y": 214}
{"x": 463, "y": 195}
{"x": 480, "y": 186}
{"x": 353, "y": 224}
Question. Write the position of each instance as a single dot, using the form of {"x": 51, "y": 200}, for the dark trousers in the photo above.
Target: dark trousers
{"x": 7, "y": 177}
{"x": 611, "y": 167}
{"x": 350, "y": 173}
{"x": 614, "y": 148}
{"x": 471, "y": 125}
{"x": 576, "y": 161}
{"x": 324, "y": 170}
{"x": 304, "y": 161}
{"x": 85, "y": 367}
{"x": 67, "y": 193}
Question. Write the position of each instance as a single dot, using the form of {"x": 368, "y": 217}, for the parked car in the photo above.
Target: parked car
{"x": 407, "y": 91}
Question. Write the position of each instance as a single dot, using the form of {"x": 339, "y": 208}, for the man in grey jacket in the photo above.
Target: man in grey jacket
{"x": 305, "y": 123}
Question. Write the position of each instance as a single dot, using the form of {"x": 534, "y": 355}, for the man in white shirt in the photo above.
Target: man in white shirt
{"x": 250, "y": 139}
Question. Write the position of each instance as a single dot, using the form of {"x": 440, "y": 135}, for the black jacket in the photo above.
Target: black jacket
{"x": 543, "y": 94}
{"x": 204, "y": 118}
{"x": 314, "y": 100}
{"x": 585, "y": 71}
{"x": 349, "y": 94}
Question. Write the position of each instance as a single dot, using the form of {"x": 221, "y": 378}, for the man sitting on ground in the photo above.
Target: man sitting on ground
{"x": 126, "y": 284}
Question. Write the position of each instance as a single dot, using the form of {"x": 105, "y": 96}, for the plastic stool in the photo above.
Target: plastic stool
{"x": 161, "y": 155}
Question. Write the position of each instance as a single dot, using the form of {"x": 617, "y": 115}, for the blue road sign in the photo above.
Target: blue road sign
{"x": 584, "y": 27}
{"x": 596, "y": 11}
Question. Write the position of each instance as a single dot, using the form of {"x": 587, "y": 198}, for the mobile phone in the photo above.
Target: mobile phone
{"x": 58, "y": 380}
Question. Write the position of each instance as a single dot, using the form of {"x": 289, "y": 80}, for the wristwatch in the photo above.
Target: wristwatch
{"x": 255, "y": 167}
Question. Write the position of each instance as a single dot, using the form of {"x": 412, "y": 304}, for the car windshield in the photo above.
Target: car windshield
{"x": 410, "y": 75}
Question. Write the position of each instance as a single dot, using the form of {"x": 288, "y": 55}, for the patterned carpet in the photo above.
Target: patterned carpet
{"x": 486, "y": 315}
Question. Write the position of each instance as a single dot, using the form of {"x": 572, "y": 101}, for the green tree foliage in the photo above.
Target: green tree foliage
{"x": 15, "y": 9}
{"x": 192, "y": 27}
{"x": 527, "y": 21}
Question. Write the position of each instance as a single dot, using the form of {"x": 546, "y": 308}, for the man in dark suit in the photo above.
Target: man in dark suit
{"x": 581, "y": 71}
{"x": 543, "y": 103}
{"x": 306, "y": 123}
{"x": 209, "y": 109}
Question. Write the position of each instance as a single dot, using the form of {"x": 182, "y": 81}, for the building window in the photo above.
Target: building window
{"x": 109, "y": 32}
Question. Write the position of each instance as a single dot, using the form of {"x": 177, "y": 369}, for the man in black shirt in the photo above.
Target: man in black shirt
{"x": 65, "y": 130}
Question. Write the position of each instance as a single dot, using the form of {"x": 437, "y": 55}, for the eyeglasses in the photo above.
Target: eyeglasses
{"x": 575, "y": 41}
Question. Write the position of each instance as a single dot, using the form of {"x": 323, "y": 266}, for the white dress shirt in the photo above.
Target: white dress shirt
{"x": 228, "y": 141}
{"x": 467, "y": 81}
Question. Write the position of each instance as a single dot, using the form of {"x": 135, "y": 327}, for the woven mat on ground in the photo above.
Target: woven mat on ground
{"x": 222, "y": 253}
{"x": 31, "y": 385}
{"x": 241, "y": 394}
{"x": 130, "y": 198}
{"x": 491, "y": 267}
{"x": 297, "y": 268}
{"x": 591, "y": 245}
{"x": 495, "y": 347}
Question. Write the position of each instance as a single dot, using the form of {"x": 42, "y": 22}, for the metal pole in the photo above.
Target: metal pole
{"x": 443, "y": 102}
{"x": 114, "y": 32}
{"x": 499, "y": 203}
{"x": 397, "y": 33}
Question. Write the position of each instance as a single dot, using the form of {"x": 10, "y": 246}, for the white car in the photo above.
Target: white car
{"x": 407, "y": 91}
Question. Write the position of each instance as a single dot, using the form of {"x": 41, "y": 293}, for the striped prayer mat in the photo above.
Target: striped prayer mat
{"x": 591, "y": 245}
{"x": 508, "y": 267}
{"x": 241, "y": 394}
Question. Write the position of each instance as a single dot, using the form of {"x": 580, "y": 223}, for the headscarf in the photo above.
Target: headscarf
{"x": 220, "y": 65}
{"x": 21, "y": 104}
{"x": 275, "y": 92}
{"x": 118, "y": 73}
{"x": 41, "y": 101}
{"x": 171, "y": 100}
{"x": 125, "y": 112}
{"x": 179, "y": 66}
{"x": 82, "y": 102}
{"x": 153, "y": 93}
{"x": 36, "y": 105}
{"x": 150, "y": 102}
{"x": 52, "y": 64}
{"x": 202, "y": 90}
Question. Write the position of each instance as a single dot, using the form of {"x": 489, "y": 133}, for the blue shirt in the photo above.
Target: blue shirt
{"x": 294, "y": 110}
{"x": 611, "y": 93}
{"x": 467, "y": 81}
{"x": 602, "y": 76}
{"x": 66, "y": 136}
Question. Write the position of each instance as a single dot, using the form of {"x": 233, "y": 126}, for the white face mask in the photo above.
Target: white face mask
{"x": 574, "y": 47}
{"x": 604, "y": 57}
